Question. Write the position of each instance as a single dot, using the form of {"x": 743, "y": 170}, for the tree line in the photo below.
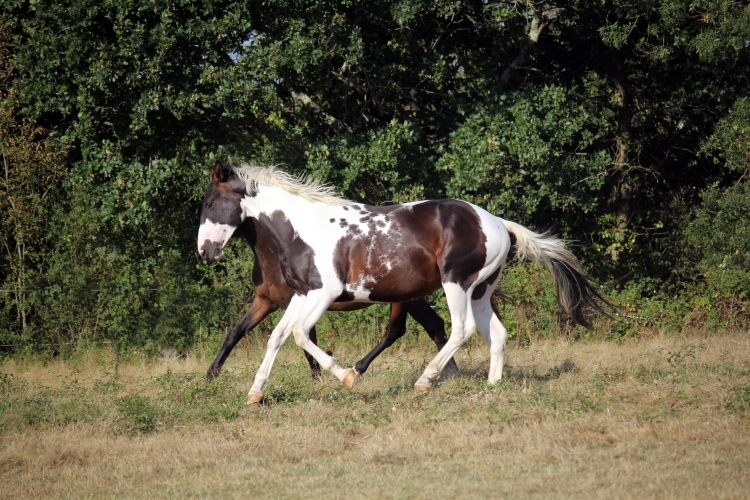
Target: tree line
{"x": 622, "y": 125}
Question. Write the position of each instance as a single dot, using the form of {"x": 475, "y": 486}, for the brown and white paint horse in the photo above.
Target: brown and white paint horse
{"x": 272, "y": 292}
{"x": 334, "y": 250}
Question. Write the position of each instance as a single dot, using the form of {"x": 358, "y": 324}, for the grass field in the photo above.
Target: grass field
{"x": 656, "y": 417}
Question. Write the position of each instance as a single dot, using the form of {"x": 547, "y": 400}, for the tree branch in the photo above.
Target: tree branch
{"x": 538, "y": 23}
{"x": 366, "y": 91}
{"x": 349, "y": 82}
{"x": 305, "y": 101}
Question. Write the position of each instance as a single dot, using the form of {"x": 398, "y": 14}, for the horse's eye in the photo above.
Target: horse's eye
{"x": 209, "y": 204}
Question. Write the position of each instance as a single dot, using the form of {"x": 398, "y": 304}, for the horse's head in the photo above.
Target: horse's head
{"x": 222, "y": 213}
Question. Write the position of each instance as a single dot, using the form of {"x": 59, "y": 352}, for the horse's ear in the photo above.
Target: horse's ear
{"x": 219, "y": 173}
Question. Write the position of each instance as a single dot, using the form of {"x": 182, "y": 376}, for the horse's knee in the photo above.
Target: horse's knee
{"x": 497, "y": 348}
{"x": 301, "y": 338}
{"x": 498, "y": 331}
{"x": 456, "y": 338}
{"x": 274, "y": 343}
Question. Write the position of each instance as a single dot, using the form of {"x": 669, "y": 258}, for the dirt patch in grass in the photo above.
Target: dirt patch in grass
{"x": 658, "y": 417}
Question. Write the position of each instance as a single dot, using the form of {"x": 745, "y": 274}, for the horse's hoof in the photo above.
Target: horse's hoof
{"x": 421, "y": 389}
{"x": 254, "y": 399}
{"x": 212, "y": 374}
{"x": 349, "y": 378}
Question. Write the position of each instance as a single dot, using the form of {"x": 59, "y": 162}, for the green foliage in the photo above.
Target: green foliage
{"x": 138, "y": 413}
{"x": 731, "y": 138}
{"x": 531, "y": 311}
{"x": 386, "y": 165}
{"x": 532, "y": 156}
{"x": 717, "y": 240}
{"x": 624, "y": 127}
{"x": 30, "y": 186}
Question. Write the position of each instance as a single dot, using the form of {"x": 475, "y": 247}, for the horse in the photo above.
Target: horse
{"x": 335, "y": 250}
{"x": 272, "y": 292}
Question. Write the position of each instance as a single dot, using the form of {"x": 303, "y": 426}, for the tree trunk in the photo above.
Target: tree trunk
{"x": 537, "y": 25}
{"x": 623, "y": 194}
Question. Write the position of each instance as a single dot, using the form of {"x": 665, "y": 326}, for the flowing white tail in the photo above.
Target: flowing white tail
{"x": 576, "y": 295}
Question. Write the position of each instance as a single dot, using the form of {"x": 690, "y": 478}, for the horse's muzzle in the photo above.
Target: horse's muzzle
{"x": 211, "y": 251}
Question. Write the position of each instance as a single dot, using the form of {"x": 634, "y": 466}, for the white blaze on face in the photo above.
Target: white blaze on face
{"x": 215, "y": 233}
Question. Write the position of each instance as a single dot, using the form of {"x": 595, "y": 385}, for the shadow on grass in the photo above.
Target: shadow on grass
{"x": 519, "y": 374}
{"x": 294, "y": 384}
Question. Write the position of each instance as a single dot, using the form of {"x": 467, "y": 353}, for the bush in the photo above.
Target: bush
{"x": 717, "y": 241}
{"x": 138, "y": 415}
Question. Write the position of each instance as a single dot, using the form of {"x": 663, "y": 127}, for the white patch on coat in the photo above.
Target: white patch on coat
{"x": 497, "y": 244}
{"x": 215, "y": 233}
{"x": 358, "y": 290}
{"x": 353, "y": 217}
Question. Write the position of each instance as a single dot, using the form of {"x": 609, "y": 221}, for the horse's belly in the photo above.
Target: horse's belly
{"x": 387, "y": 262}
{"x": 395, "y": 284}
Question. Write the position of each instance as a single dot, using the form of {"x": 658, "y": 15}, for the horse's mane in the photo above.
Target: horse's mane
{"x": 305, "y": 187}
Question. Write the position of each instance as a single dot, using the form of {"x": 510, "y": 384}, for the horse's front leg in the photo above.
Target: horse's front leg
{"x": 259, "y": 309}
{"x": 278, "y": 337}
{"x": 317, "y": 303}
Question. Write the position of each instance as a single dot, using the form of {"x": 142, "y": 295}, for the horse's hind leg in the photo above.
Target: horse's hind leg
{"x": 499, "y": 336}
{"x": 396, "y": 329}
{"x": 493, "y": 331}
{"x": 462, "y": 327}
{"x": 434, "y": 325}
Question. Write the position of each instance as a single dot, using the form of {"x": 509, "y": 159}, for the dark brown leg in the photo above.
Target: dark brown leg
{"x": 396, "y": 329}
{"x": 314, "y": 366}
{"x": 259, "y": 309}
{"x": 424, "y": 315}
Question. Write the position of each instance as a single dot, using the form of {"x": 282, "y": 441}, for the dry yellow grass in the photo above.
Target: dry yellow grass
{"x": 657, "y": 418}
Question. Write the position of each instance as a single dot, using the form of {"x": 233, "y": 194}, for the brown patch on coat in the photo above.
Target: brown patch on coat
{"x": 427, "y": 244}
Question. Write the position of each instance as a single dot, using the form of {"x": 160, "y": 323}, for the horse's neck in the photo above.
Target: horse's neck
{"x": 282, "y": 214}
{"x": 263, "y": 245}
{"x": 265, "y": 249}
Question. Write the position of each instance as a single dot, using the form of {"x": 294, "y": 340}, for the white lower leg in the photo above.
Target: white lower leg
{"x": 278, "y": 337}
{"x": 462, "y": 327}
{"x": 264, "y": 372}
{"x": 499, "y": 337}
{"x": 438, "y": 363}
{"x": 494, "y": 333}
{"x": 317, "y": 303}
{"x": 324, "y": 360}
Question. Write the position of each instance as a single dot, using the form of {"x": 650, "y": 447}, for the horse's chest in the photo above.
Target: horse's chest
{"x": 296, "y": 255}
